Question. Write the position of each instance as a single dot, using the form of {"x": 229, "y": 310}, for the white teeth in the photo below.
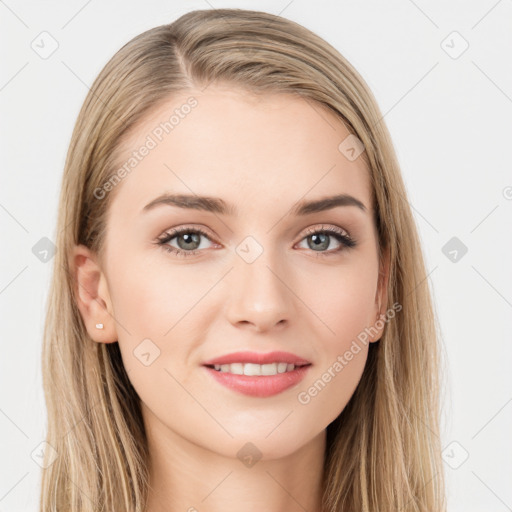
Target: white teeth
{"x": 281, "y": 367}
{"x": 253, "y": 369}
{"x": 236, "y": 368}
{"x": 268, "y": 369}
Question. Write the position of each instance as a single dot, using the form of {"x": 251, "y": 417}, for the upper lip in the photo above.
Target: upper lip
{"x": 258, "y": 358}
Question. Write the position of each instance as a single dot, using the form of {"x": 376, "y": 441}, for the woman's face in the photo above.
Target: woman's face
{"x": 260, "y": 276}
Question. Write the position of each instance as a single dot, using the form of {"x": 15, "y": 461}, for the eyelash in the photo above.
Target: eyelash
{"x": 346, "y": 241}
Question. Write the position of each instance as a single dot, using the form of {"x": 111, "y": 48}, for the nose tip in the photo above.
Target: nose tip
{"x": 258, "y": 298}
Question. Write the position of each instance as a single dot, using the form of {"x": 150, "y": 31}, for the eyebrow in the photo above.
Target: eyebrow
{"x": 217, "y": 205}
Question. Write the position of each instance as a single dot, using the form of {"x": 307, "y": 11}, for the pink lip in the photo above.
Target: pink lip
{"x": 259, "y": 385}
{"x": 258, "y": 358}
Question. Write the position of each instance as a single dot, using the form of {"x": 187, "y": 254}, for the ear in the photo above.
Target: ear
{"x": 92, "y": 296}
{"x": 381, "y": 297}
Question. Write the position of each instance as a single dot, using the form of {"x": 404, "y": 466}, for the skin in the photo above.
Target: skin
{"x": 261, "y": 155}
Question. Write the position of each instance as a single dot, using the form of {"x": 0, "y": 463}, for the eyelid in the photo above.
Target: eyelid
{"x": 172, "y": 232}
{"x": 329, "y": 228}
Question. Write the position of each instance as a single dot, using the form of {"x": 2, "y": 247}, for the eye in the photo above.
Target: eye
{"x": 319, "y": 240}
{"x": 188, "y": 241}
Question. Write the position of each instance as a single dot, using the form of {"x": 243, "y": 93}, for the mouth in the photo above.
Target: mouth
{"x": 258, "y": 374}
{"x": 258, "y": 380}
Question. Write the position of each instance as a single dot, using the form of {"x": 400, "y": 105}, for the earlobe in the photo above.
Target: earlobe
{"x": 91, "y": 295}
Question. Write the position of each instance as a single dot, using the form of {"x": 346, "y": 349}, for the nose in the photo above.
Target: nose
{"x": 260, "y": 297}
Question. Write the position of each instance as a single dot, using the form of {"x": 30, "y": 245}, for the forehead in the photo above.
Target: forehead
{"x": 259, "y": 151}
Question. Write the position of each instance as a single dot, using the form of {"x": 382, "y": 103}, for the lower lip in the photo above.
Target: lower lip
{"x": 260, "y": 385}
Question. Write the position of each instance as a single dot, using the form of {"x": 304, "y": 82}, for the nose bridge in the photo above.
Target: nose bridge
{"x": 258, "y": 291}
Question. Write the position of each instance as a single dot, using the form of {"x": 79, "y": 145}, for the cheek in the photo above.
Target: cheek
{"x": 343, "y": 352}
{"x": 348, "y": 314}
{"x": 153, "y": 311}
{"x": 150, "y": 298}
{"x": 343, "y": 300}
{"x": 160, "y": 311}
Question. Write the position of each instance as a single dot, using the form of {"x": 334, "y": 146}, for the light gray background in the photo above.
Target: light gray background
{"x": 449, "y": 117}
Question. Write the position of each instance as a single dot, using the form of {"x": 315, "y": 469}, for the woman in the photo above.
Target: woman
{"x": 239, "y": 314}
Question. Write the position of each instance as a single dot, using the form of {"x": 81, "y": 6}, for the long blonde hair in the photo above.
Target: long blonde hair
{"x": 383, "y": 450}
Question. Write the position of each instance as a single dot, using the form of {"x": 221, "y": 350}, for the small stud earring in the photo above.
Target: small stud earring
{"x": 99, "y": 326}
